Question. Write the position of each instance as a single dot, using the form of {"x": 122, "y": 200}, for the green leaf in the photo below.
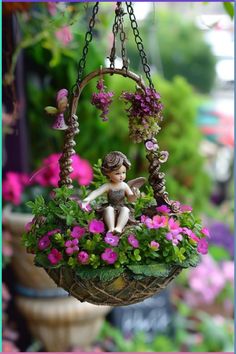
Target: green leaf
{"x": 193, "y": 261}
{"x": 154, "y": 270}
{"x": 229, "y": 8}
{"x": 104, "y": 274}
{"x": 219, "y": 253}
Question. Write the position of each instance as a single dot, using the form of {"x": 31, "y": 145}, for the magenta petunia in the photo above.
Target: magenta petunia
{"x": 154, "y": 245}
{"x": 43, "y": 243}
{"x": 78, "y": 232}
{"x": 133, "y": 241}
{"x": 190, "y": 234}
{"x": 163, "y": 209}
{"x": 202, "y": 246}
{"x": 54, "y": 256}
{"x": 96, "y": 226}
{"x": 111, "y": 239}
{"x": 143, "y": 218}
{"x": 53, "y": 232}
{"x": 205, "y": 232}
{"x": 83, "y": 257}
{"x": 71, "y": 246}
{"x": 109, "y": 256}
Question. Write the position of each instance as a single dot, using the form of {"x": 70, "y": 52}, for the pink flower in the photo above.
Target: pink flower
{"x": 174, "y": 226}
{"x": 9, "y": 347}
{"x": 109, "y": 256}
{"x": 64, "y": 35}
{"x": 83, "y": 257}
{"x": 53, "y": 232}
{"x": 78, "y": 232}
{"x": 43, "y": 243}
{"x": 156, "y": 222}
{"x": 111, "y": 239}
{"x": 96, "y": 226}
{"x": 71, "y": 246}
{"x": 151, "y": 146}
{"x": 186, "y": 208}
{"x": 143, "y": 218}
{"x": 190, "y": 234}
{"x": 48, "y": 175}
{"x": 12, "y": 187}
{"x": 207, "y": 280}
{"x": 55, "y": 256}
{"x": 228, "y": 270}
{"x": 28, "y": 226}
{"x": 202, "y": 246}
{"x": 133, "y": 241}
{"x": 52, "y": 8}
{"x": 154, "y": 245}
{"x": 163, "y": 209}
{"x": 205, "y": 232}
{"x": 7, "y": 249}
{"x": 174, "y": 238}
{"x": 83, "y": 171}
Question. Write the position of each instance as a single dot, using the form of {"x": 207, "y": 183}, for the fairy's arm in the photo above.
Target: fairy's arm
{"x": 131, "y": 195}
{"x": 93, "y": 195}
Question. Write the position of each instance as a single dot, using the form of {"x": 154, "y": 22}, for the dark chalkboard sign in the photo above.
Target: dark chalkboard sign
{"x": 152, "y": 316}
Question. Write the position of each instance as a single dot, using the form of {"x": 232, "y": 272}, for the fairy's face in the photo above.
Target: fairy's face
{"x": 118, "y": 176}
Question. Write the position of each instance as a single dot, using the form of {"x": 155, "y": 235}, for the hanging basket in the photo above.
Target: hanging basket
{"x": 121, "y": 291}
{"x": 132, "y": 283}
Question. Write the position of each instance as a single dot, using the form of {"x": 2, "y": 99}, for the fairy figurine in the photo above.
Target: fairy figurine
{"x": 115, "y": 213}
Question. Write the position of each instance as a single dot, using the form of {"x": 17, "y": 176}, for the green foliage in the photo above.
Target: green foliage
{"x": 177, "y": 48}
{"x": 151, "y": 270}
{"x": 103, "y": 274}
{"x": 229, "y": 8}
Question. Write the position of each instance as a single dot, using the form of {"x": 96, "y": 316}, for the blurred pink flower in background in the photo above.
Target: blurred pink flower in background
{"x": 48, "y": 175}
{"x": 52, "y": 8}
{"x": 9, "y": 347}
{"x": 64, "y": 35}
{"x": 7, "y": 250}
{"x": 12, "y": 187}
{"x": 206, "y": 281}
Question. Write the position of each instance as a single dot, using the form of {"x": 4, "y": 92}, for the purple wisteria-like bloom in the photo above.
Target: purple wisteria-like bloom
{"x": 133, "y": 241}
{"x": 102, "y": 100}
{"x": 151, "y": 146}
{"x": 111, "y": 239}
{"x": 109, "y": 256}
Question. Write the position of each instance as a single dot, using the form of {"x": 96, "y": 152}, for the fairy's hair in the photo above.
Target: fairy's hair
{"x": 113, "y": 161}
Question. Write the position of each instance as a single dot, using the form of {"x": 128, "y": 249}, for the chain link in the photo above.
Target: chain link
{"x": 139, "y": 43}
{"x": 88, "y": 38}
{"x": 118, "y": 27}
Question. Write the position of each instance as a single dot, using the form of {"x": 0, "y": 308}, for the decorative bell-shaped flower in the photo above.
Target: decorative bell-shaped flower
{"x": 59, "y": 123}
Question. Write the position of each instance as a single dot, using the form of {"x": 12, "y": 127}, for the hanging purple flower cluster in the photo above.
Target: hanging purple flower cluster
{"x": 102, "y": 99}
{"x": 144, "y": 112}
{"x": 144, "y": 104}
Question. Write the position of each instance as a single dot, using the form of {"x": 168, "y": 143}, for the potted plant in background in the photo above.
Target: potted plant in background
{"x": 53, "y": 317}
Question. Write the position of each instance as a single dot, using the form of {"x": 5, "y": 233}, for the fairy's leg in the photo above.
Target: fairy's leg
{"x": 122, "y": 219}
{"x": 109, "y": 218}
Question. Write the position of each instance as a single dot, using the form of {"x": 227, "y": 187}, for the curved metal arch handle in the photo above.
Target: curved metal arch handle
{"x": 72, "y": 120}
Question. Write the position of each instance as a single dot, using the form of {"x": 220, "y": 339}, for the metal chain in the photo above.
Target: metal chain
{"x": 88, "y": 38}
{"x": 118, "y": 27}
{"x": 139, "y": 43}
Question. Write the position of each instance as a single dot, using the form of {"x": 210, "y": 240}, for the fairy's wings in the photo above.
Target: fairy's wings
{"x": 137, "y": 182}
